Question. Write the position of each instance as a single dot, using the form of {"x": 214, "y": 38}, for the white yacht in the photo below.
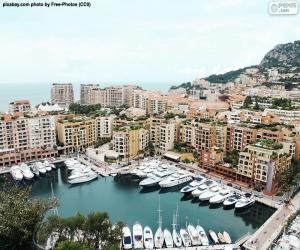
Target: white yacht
{"x": 195, "y": 238}
{"x": 155, "y": 177}
{"x": 16, "y": 173}
{"x": 175, "y": 180}
{"x": 220, "y": 197}
{"x": 227, "y": 237}
{"x": 199, "y": 180}
{"x": 209, "y": 193}
{"x": 159, "y": 238}
{"x": 52, "y": 166}
{"x": 137, "y": 235}
{"x": 71, "y": 164}
{"x": 185, "y": 238}
{"x": 83, "y": 177}
{"x": 231, "y": 200}
{"x": 159, "y": 235}
{"x": 221, "y": 238}
{"x": 34, "y": 170}
{"x": 203, "y": 236}
{"x": 126, "y": 239}
{"x": 148, "y": 238}
{"x": 213, "y": 236}
{"x": 168, "y": 238}
{"x": 176, "y": 237}
{"x": 244, "y": 203}
{"x": 40, "y": 166}
{"x": 25, "y": 169}
{"x": 202, "y": 188}
{"x": 47, "y": 165}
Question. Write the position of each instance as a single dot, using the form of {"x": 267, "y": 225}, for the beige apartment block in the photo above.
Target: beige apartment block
{"x": 129, "y": 141}
{"x": 263, "y": 164}
{"x": 19, "y": 106}
{"x": 77, "y": 133}
{"x": 104, "y": 126}
{"x": 62, "y": 94}
{"x": 164, "y": 133}
{"x": 187, "y": 133}
{"x": 24, "y": 138}
{"x": 89, "y": 94}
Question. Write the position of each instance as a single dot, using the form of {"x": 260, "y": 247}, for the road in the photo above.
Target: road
{"x": 269, "y": 231}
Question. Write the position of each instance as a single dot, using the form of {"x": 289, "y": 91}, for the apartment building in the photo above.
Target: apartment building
{"x": 238, "y": 137}
{"x": 140, "y": 99}
{"x": 187, "y": 134}
{"x": 113, "y": 96}
{"x": 23, "y": 138}
{"x": 156, "y": 105}
{"x": 210, "y": 141}
{"x": 89, "y": 94}
{"x": 128, "y": 94}
{"x": 76, "y": 133}
{"x": 285, "y": 116}
{"x": 104, "y": 126}
{"x": 152, "y": 102}
{"x": 261, "y": 164}
{"x": 62, "y": 94}
{"x": 163, "y": 134}
{"x": 128, "y": 141}
{"x": 19, "y": 106}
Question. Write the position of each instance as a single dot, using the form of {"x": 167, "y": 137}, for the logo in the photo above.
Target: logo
{"x": 283, "y": 7}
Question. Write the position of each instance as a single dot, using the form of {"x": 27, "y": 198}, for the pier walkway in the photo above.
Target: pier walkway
{"x": 263, "y": 238}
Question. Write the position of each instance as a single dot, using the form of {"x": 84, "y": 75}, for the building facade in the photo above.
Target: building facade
{"x": 23, "y": 138}
{"x": 62, "y": 94}
{"x": 128, "y": 142}
{"x": 19, "y": 106}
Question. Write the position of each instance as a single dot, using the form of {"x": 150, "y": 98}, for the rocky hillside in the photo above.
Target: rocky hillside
{"x": 283, "y": 55}
{"x": 280, "y": 65}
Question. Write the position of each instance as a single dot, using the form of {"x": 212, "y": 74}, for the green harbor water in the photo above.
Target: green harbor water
{"x": 129, "y": 203}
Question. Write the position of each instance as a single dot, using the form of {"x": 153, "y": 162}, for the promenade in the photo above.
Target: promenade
{"x": 263, "y": 238}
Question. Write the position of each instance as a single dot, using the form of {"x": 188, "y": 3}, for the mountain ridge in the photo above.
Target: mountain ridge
{"x": 284, "y": 58}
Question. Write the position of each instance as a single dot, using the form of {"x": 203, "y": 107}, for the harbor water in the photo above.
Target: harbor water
{"x": 129, "y": 203}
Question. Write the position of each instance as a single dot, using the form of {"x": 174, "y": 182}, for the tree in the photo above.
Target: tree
{"x": 19, "y": 215}
{"x": 256, "y": 106}
{"x": 247, "y": 102}
{"x": 70, "y": 245}
{"x": 94, "y": 230}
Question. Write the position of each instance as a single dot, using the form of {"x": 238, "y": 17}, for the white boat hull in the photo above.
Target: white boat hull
{"x": 175, "y": 183}
{"x": 83, "y": 179}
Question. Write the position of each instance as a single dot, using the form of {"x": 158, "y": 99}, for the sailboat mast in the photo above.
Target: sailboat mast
{"x": 159, "y": 214}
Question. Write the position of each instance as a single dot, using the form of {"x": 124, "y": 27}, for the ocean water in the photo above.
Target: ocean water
{"x": 38, "y": 93}
{"x": 129, "y": 203}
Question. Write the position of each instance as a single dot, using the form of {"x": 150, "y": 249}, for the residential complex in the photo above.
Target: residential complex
{"x": 224, "y": 137}
{"x": 76, "y": 133}
{"x": 19, "y": 106}
{"x": 113, "y": 96}
{"x": 88, "y": 93}
{"x": 62, "y": 94}
{"x": 262, "y": 163}
{"x": 128, "y": 142}
{"x": 26, "y": 138}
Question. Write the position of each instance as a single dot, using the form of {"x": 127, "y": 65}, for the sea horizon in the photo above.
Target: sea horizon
{"x": 37, "y": 93}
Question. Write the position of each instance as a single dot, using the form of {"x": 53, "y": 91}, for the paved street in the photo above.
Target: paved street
{"x": 269, "y": 231}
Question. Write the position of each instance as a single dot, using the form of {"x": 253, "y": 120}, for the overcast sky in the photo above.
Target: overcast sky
{"x": 138, "y": 40}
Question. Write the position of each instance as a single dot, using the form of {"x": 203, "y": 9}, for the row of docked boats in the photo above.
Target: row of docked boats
{"x": 79, "y": 173}
{"x": 30, "y": 170}
{"x": 154, "y": 173}
{"x": 211, "y": 191}
{"x": 187, "y": 237}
